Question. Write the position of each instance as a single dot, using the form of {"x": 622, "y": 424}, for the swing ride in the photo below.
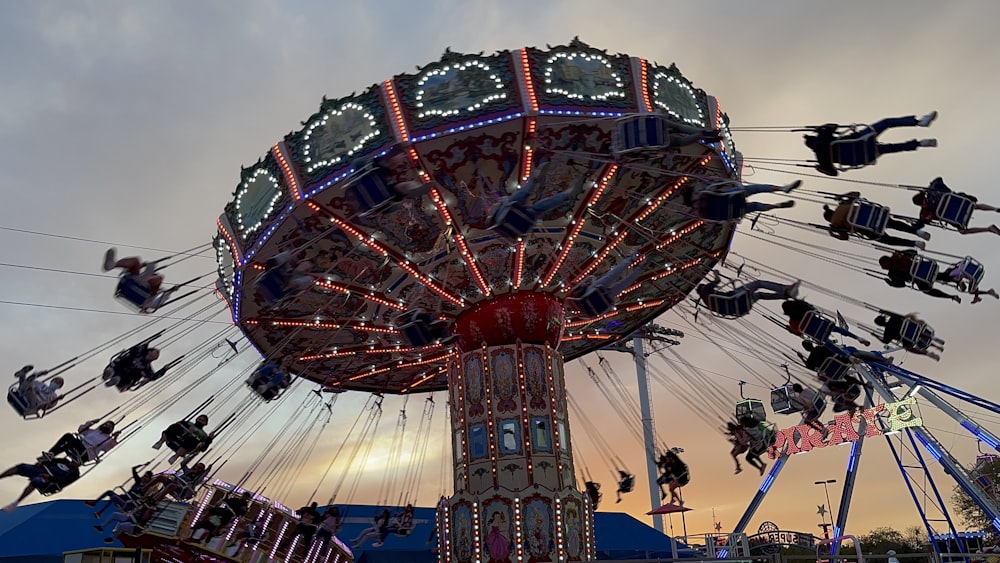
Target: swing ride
{"x": 469, "y": 229}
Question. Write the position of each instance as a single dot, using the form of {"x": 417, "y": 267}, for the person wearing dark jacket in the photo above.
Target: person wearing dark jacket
{"x": 861, "y": 148}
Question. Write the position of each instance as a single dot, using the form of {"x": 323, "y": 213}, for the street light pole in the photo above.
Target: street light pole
{"x": 826, "y": 489}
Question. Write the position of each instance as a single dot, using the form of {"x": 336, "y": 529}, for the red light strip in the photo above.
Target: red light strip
{"x": 422, "y": 380}
{"x": 529, "y": 86}
{"x": 570, "y": 238}
{"x": 518, "y": 264}
{"x": 397, "y": 111}
{"x": 463, "y": 247}
{"x": 286, "y": 170}
{"x": 643, "y": 212}
{"x": 587, "y": 337}
{"x": 229, "y": 238}
{"x": 355, "y": 350}
{"x": 368, "y": 294}
{"x": 331, "y": 326}
{"x": 645, "y": 85}
{"x": 529, "y": 136}
{"x": 664, "y": 274}
{"x": 401, "y": 366}
{"x": 629, "y": 309}
{"x": 401, "y": 261}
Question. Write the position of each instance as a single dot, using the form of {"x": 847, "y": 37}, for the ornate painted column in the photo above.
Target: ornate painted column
{"x": 515, "y": 495}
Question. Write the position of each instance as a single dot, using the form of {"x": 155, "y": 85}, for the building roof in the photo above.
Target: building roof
{"x": 50, "y": 528}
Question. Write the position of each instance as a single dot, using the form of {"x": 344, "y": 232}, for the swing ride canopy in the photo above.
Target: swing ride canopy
{"x": 474, "y": 125}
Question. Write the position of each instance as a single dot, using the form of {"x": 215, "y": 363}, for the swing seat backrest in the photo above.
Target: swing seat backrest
{"x": 417, "y": 333}
{"x": 21, "y": 402}
{"x": 753, "y": 408}
{"x": 856, "y": 150}
{"x": 515, "y": 220}
{"x": 639, "y": 133}
{"x": 868, "y": 219}
{"x": 781, "y": 400}
{"x": 834, "y": 368}
{"x": 955, "y": 210}
{"x": 816, "y": 327}
{"x": 970, "y": 274}
{"x": 132, "y": 292}
{"x": 273, "y": 285}
{"x": 731, "y": 306}
{"x": 596, "y": 301}
{"x": 911, "y": 332}
{"x": 925, "y": 340}
{"x": 371, "y": 190}
{"x": 923, "y": 270}
{"x": 723, "y": 206}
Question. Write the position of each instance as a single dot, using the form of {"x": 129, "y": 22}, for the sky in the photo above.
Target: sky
{"x": 127, "y": 124}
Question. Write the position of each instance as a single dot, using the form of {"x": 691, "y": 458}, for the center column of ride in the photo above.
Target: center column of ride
{"x": 515, "y": 495}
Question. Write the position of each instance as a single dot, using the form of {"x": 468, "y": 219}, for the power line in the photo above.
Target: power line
{"x": 103, "y": 242}
{"x": 128, "y": 313}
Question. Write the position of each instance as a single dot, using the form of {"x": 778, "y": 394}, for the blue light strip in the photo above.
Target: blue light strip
{"x": 467, "y": 127}
{"x": 996, "y": 523}
{"x": 983, "y": 436}
{"x": 853, "y": 460}
{"x": 578, "y": 112}
{"x": 769, "y": 480}
{"x": 931, "y": 448}
{"x": 723, "y": 553}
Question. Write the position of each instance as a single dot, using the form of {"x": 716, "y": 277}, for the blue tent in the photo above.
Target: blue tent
{"x": 40, "y": 533}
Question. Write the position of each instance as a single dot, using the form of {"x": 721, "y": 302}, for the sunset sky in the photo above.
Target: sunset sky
{"x": 127, "y": 123}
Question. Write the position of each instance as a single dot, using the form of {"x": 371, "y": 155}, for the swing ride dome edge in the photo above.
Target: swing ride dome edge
{"x": 473, "y": 126}
{"x": 466, "y": 121}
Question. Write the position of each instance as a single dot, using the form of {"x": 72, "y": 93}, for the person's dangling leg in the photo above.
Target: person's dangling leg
{"x": 627, "y": 281}
{"x": 608, "y": 279}
{"x": 524, "y": 193}
{"x": 758, "y": 207}
{"x": 844, "y": 332}
{"x": 911, "y": 145}
{"x": 901, "y": 242}
{"x": 779, "y": 290}
{"x": 891, "y": 122}
{"x": 754, "y": 189}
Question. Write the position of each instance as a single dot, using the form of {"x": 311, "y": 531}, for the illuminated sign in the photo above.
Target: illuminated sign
{"x": 771, "y": 542}
{"x": 880, "y": 419}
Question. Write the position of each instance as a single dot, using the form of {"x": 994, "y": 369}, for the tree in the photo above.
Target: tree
{"x": 910, "y": 540}
{"x": 986, "y": 473}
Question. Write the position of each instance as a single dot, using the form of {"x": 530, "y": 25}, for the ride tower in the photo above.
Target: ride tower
{"x": 470, "y": 228}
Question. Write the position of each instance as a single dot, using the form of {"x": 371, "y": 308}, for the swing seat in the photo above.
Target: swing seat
{"x": 911, "y": 333}
{"x": 417, "y": 333}
{"x": 816, "y": 327}
{"x": 514, "y": 221}
{"x": 868, "y": 219}
{"x": 136, "y": 295}
{"x": 637, "y": 134}
{"x": 834, "y": 368}
{"x": 723, "y": 206}
{"x": 732, "y": 306}
{"x": 753, "y": 408}
{"x": 372, "y": 191}
{"x": 781, "y": 400}
{"x": 22, "y": 403}
{"x": 970, "y": 274}
{"x": 857, "y": 151}
{"x": 955, "y": 210}
{"x": 596, "y": 301}
{"x": 923, "y": 270}
{"x": 924, "y": 340}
